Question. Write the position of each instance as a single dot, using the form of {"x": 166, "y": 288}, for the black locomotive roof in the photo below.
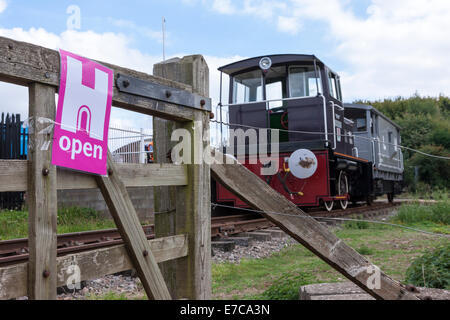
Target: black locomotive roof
{"x": 242, "y": 65}
{"x": 369, "y": 107}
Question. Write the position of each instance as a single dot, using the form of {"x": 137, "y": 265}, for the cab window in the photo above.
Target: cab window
{"x": 276, "y": 86}
{"x": 247, "y": 87}
{"x": 334, "y": 85}
{"x": 303, "y": 82}
{"x": 361, "y": 124}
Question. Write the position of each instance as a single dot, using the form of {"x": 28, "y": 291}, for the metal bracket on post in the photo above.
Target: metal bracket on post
{"x": 160, "y": 92}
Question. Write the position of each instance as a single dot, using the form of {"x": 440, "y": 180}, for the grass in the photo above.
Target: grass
{"x": 390, "y": 248}
{"x": 14, "y": 224}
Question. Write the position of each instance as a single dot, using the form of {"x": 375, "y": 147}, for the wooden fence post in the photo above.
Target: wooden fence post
{"x": 191, "y": 70}
{"x": 194, "y": 219}
{"x": 41, "y": 196}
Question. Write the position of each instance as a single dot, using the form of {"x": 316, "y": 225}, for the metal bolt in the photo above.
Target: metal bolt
{"x": 145, "y": 253}
{"x": 45, "y": 172}
{"x": 211, "y": 115}
{"x": 202, "y": 103}
{"x": 411, "y": 288}
{"x": 47, "y": 75}
{"x": 46, "y": 274}
{"x": 126, "y": 83}
{"x": 110, "y": 172}
{"x": 10, "y": 46}
{"x": 168, "y": 94}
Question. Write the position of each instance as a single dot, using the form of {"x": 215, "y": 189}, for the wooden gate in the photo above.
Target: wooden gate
{"x": 38, "y": 68}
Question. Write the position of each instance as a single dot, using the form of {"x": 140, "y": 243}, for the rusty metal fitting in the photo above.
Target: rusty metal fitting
{"x": 211, "y": 115}
{"x": 202, "y": 103}
{"x": 168, "y": 94}
{"x": 45, "y": 172}
{"x": 46, "y": 274}
{"x": 110, "y": 172}
{"x": 145, "y": 253}
{"x": 126, "y": 83}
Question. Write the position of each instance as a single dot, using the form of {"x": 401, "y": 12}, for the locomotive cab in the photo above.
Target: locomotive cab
{"x": 297, "y": 94}
{"x": 302, "y": 98}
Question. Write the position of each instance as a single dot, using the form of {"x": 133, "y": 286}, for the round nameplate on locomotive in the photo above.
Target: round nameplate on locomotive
{"x": 303, "y": 163}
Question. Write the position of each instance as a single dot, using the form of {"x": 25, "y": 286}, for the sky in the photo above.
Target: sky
{"x": 380, "y": 48}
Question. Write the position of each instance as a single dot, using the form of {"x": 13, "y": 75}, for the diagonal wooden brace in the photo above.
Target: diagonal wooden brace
{"x": 310, "y": 233}
{"x": 127, "y": 221}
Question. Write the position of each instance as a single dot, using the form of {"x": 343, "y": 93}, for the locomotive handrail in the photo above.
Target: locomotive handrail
{"x": 334, "y": 125}
{"x": 265, "y": 101}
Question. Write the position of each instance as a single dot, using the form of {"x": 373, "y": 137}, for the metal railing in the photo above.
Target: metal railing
{"x": 130, "y": 145}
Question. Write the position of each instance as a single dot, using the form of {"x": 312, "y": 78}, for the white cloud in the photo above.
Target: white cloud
{"x": 143, "y": 31}
{"x": 3, "y": 5}
{"x": 400, "y": 47}
{"x": 288, "y": 24}
{"x": 223, "y": 6}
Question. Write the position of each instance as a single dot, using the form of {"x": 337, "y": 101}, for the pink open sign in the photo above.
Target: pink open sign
{"x": 82, "y": 118}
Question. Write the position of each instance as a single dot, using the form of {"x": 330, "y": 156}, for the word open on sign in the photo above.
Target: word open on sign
{"x": 82, "y": 117}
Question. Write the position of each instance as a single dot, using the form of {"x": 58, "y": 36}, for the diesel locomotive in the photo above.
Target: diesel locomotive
{"x": 330, "y": 153}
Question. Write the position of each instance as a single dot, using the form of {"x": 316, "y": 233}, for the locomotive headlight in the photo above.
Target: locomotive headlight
{"x": 265, "y": 63}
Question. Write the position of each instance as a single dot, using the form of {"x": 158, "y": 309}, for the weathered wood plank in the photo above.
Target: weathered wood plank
{"x": 127, "y": 221}
{"x": 23, "y": 63}
{"x": 42, "y": 201}
{"x": 150, "y": 175}
{"x": 164, "y": 198}
{"x": 92, "y": 264}
{"x": 317, "y": 238}
{"x": 193, "y": 217}
{"x": 13, "y": 174}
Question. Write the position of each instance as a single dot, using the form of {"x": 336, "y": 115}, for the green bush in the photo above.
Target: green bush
{"x": 413, "y": 213}
{"x": 287, "y": 286}
{"x": 431, "y": 270}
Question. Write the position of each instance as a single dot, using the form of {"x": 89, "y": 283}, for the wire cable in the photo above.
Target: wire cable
{"x": 341, "y": 135}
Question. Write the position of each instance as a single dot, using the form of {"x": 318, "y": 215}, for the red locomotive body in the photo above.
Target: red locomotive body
{"x": 303, "y": 192}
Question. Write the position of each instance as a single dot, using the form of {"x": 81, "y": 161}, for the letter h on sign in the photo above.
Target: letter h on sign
{"x": 82, "y": 117}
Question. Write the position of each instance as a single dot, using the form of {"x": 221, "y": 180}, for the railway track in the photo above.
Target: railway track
{"x": 16, "y": 251}
{"x": 376, "y": 208}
